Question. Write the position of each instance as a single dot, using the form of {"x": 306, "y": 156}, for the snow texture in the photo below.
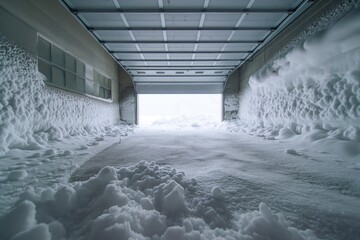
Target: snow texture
{"x": 32, "y": 114}
{"x": 128, "y": 105}
{"x": 143, "y": 201}
{"x": 314, "y": 90}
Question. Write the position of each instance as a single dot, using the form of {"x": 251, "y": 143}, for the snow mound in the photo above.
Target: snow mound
{"x": 184, "y": 123}
{"x": 144, "y": 201}
{"x": 33, "y": 114}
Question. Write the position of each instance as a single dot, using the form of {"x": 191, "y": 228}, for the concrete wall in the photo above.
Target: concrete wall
{"x": 128, "y": 99}
{"x": 231, "y": 96}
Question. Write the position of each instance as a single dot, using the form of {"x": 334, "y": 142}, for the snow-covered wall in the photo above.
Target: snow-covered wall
{"x": 231, "y": 96}
{"x": 315, "y": 85}
{"x": 32, "y": 113}
{"x": 128, "y": 104}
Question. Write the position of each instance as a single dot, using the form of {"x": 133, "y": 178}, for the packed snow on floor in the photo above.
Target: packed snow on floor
{"x": 144, "y": 201}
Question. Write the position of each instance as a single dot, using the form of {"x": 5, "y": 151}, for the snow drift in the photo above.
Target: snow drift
{"x": 32, "y": 113}
{"x": 313, "y": 90}
{"x": 144, "y": 201}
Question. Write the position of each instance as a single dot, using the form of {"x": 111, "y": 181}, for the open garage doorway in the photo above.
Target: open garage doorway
{"x": 154, "y": 108}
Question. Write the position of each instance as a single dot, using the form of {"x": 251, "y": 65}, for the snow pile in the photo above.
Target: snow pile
{"x": 145, "y": 201}
{"x": 32, "y": 114}
{"x": 313, "y": 90}
{"x": 184, "y": 123}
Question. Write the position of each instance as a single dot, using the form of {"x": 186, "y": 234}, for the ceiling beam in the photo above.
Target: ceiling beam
{"x": 176, "y": 52}
{"x": 178, "y": 82}
{"x": 104, "y": 28}
{"x": 180, "y": 60}
{"x": 180, "y": 11}
{"x": 185, "y": 67}
{"x": 177, "y": 75}
{"x": 177, "y": 41}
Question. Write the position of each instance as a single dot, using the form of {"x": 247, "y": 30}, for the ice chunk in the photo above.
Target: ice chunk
{"x": 217, "y": 193}
{"x": 39, "y": 232}
{"x": 174, "y": 233}
{"x": 170, "y": 199}
{"x": 19, "y": 219}
{"x": 17, "y": 175}
{"x": 146, "y": 203}
{"x": 292, "y": 152}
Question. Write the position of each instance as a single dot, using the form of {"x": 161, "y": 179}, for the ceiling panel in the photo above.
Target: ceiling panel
{"x": 182, "y": 35}
{"x": 147, "y": 35}
{"x": 283, "y": 4}
{"x": 154, "y": 56}
{"x": 106, "y": 35}
{"x": 121, "y": 47}
{"x": 206, "y": 56}
{"x": 180, "y": 56}
{"x": 232, "y": 4}
{"x": 183, "y": 4}
{"x": 269, "y": 20}
{"x": 143, "y": 19}
{"x": 215, "y": 35}
{"x": 181, "y": 46}
{"x": 152, "y": 46}
{"x": 90, "y": 4}
{"x": 232, "y": 55}
{"x": 127, "y": 56}
{"x": 182, "y": 19}
{"x": 138, "y": 4}
{"x": 210, "y": 46}
{"x": 249, "y": 35}
{"x": 240, "y": 46}
{"x": 161, "y": 38}
{"x": 221, "y": 19}
{"x": 102, "y": 20}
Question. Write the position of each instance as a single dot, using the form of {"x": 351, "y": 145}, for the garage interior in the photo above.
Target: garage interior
{"x": 259, "y": 137}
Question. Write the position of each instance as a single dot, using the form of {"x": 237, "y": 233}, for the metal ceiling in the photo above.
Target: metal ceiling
{"x": 183, "y": 46}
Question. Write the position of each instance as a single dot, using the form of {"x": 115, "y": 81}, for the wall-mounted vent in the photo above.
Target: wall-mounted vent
{"x": 141, "y": 72}
{"x": 218, "y": 71}
{"x": 200, "y": 72}
{"x": 179, "y": 72}
{"x": 160, "y": 72}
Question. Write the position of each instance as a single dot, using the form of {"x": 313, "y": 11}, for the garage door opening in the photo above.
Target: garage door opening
{"x": 167, "y": 107}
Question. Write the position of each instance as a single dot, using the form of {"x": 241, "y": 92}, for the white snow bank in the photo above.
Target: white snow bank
{"x": 145, "y": 201}
{"x": 32, "y": 114}
{"x": 183, "y": 123}
{"x": 313, "y": 90}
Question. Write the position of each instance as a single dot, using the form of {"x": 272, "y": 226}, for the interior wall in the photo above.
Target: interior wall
{"x": 128, "y": 99}
{"x": 307, "y": 77}
{"x": 321, "y": 14}
{"x": 21, "y": 21}
{"x": 231, "y": 96}
{"x": 31, "y": 112}
{"x": 238, "y": 82}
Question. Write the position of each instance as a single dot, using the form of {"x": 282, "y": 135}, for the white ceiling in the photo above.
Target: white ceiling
{"x": 174, "y": 45}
